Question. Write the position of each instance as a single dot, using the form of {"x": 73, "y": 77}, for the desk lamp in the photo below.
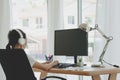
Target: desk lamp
{"x": 85, "y": 27}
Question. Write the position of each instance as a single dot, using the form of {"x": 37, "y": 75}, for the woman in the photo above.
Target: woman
{"x": 17, "y": 40}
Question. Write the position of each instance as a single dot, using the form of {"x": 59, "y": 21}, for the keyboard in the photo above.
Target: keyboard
{"x": 64, "y": 65}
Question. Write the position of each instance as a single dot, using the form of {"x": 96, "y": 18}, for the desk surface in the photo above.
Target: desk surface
{"x": 86, "y": 71}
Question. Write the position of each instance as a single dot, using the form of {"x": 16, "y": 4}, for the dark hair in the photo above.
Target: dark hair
{"x": 13, "y": 37}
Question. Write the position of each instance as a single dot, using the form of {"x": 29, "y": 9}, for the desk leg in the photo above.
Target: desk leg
{"x": 112, "y": 76}
{"x": 96, "y": 77}
{"x": 80, "y": 77}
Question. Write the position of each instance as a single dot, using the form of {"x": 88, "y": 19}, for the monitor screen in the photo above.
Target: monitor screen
{"x": 71, "y": 42}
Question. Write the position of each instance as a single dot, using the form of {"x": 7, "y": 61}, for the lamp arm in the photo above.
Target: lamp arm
{"x": 103, "y": 52}
{"x": 106, "y": 45}
{"x": 98, "y": 29}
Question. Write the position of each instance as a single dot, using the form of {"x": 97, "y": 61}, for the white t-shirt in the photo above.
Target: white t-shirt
{"x": 31, "y": 60}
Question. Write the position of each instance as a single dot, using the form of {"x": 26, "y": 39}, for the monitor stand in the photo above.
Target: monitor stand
{"x": 75, "y": 59}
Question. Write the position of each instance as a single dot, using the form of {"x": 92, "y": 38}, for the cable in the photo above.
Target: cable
{"x": 111, "y": 64}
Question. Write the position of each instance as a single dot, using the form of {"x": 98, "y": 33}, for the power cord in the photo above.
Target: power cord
{"x": 111, "y": 64}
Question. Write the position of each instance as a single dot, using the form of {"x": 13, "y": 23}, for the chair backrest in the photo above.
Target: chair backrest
{"x": 16, "y": 65}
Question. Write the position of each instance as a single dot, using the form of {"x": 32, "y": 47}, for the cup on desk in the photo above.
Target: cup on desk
{"x": 49, "y": 57}
{"x": 80, "y": 64}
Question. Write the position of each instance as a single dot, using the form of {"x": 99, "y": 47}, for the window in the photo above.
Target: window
{"x": 70, "y": 19}
{"x": 25, "y": 22}
{"x": 70, "y": 13}
{"x": 39, "y": 22}
{"x": 31, "y": 17}
{"x": 87, "y": 11}
{"x": 88, "y": 16}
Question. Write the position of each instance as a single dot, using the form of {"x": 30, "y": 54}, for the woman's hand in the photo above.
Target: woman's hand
{"x": 45, "y": 67}
{"x": 47, "y": 62}
{"x": 55, "y": 62}
{"x": 50, "y": 65}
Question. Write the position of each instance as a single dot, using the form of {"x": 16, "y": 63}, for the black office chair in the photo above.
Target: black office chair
{"x": 57, "y": 77}
{"x": 16, "y": 65}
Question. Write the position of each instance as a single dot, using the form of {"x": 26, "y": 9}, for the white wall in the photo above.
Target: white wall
{"x": 114, "y": 23}
{"x": 4, "y": 22}
{"x": 4, "y": 28}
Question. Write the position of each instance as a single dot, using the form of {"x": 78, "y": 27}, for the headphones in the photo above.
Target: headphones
{"x": 21, "y": 40}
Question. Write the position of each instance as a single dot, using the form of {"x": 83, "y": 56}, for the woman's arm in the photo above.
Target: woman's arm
{"x": 45, "y": 67}
{"x": 47, "y": 62}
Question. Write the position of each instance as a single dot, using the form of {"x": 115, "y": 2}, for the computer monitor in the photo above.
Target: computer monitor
{"x": 71, "y": 42}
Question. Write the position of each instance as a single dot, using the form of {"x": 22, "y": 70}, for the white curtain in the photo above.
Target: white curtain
{"x": 4, "y": 28}
{"x": 55, "y": 21}
{"x": 108, "y": 19}
{"x": 108, "y": 15}
{"x": 4, "y": 22}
